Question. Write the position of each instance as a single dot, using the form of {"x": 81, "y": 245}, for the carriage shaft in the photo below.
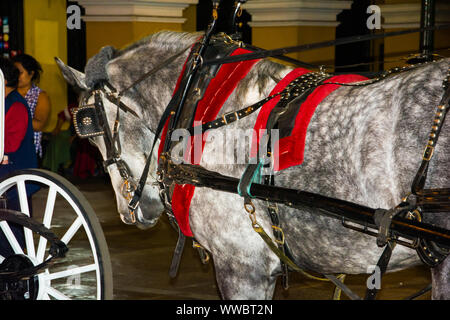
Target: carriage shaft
{"x": 336, "y": 208}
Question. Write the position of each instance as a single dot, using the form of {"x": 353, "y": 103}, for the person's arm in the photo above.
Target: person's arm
{"x": 16, "y": 123}
{"x": 42, "y": 111}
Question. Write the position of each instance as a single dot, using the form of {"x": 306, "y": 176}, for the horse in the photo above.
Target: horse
{"x": 363, "y": 144}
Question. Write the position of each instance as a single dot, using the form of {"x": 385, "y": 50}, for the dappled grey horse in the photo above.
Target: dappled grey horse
{"x": 364, "y": 145}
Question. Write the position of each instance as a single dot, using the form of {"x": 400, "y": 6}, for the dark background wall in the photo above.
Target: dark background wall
{"x": 353, "y": 23}
{"x": 226, "y": 10}
{"x": 76, "y": 49}
{"x": 12, "y": 27}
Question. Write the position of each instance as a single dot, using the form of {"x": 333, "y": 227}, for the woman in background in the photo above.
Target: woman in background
{"x": 19, "y": 148}
{"x": 37, "y": 99}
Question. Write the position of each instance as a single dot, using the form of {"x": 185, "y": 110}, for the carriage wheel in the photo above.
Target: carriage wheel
{"x": 85, "y": 272}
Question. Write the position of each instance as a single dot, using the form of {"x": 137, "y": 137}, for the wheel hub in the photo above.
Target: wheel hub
{"x": 25, "y": 288}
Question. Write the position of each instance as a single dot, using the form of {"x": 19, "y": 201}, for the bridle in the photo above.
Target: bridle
{"x": 90, "y": 121}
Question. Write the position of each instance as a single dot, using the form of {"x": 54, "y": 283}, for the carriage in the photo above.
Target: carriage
{"x": 65, "y": 255}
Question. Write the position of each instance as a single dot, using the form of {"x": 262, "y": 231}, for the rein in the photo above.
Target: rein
{"x": 346, "y": 40}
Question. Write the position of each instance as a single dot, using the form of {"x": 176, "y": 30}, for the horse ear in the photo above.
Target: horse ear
{"x": 72, "y": 76}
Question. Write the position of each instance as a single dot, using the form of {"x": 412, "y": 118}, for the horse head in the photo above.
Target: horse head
{"x": 132, "y": 140}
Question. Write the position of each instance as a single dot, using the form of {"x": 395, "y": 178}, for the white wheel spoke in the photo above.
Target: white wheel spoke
{"x": 48, "y": 215}
{"x": 56, "y": 294}
{"x": 72, "y": 230}
{"x": 11, "y": 238}
{"x": 71, "y": 272}
{"x": 54, "y": 193}
{"x": 23, "y": 197}
{"x": 29, "y": 242}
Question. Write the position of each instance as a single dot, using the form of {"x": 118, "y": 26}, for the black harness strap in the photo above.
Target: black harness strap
{"x": 174, "y": 110}
{"x": 294, "y": 94}
{"x": 272, "y": 210}
{"x": 111, "y": 139}
{"x": 177, "y": 253}
{"x": 230, "y": 117}
{"x": 383, "y": 219}
{"x": 317, "y": 45}
{"x": 382, "y": 264}
{"x": 140, "y": 187}
{"x": 120, "y": 104}
{"x": 442, "y": 110}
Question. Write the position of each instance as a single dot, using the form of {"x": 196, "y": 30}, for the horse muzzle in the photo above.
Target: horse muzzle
{"x": 137, "y": 219}
{"x": 135, "y": 215}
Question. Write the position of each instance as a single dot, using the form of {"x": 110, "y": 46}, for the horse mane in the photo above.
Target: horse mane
{"x": 165, "y": 40}
{"x": 96, "y": 67}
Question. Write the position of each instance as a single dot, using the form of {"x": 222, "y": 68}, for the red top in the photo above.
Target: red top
{"x": 16, "y": 122}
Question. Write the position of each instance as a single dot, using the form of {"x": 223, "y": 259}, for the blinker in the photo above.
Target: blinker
{"x": 86, "y": 122}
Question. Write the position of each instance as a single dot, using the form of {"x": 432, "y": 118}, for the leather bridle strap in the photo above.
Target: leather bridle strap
{"x": 114, "y": 100}
{"x": 442, "y": 110}
{"x": 111, "y": 139}
{"x": 132, "y": 205}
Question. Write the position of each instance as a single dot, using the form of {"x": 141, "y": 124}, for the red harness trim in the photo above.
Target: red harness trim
{"x": 289, "y": 151}
{"x": 218, "y": 91}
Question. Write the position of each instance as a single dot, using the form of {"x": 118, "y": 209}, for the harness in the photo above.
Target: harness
{"x": 388, "y": 222}
{"x": 405, "y": 220}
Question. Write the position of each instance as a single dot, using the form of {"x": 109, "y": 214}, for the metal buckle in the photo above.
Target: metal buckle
{"x": 281, "y": 242}
{"x": 127, "y": 189}
{"x": 250, "y": 208}
{"x": 131, "y": 207}
{"x": 200, "y": 58}
{"x": 428, "y": 153}
{"x": 224, "y": 117}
